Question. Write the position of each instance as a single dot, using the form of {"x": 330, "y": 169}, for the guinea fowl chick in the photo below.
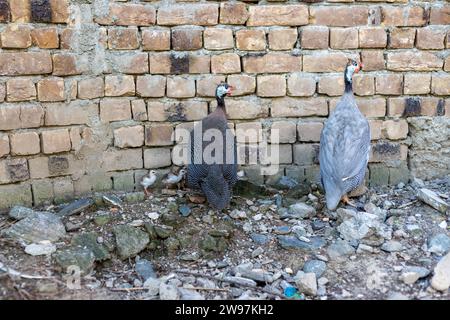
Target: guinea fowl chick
{"x": 148, "y": 180}
{"x": 344, "y": 146}
{"x": 174, "y": 179}
{"x": 215, "y": 175}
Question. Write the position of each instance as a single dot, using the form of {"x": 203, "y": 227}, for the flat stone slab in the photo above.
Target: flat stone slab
{"x": 432, "y": 199}
{"x": 289, "y": 242}
{"x": 75, "y": 207}
{"x": 19, "y": 212}
{"x": 36, "y": 228}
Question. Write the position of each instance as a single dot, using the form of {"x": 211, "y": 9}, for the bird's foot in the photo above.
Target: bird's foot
{"x": 346, "y": 200}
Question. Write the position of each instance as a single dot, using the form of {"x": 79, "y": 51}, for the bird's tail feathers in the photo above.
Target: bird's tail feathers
{"x": 216, "y": 190}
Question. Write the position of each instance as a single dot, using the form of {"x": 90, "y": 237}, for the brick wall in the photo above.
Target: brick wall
{"x": 91, "y": 91}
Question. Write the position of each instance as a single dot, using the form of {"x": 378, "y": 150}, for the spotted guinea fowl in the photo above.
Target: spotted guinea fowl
{"x": 344, "y": 145}
{"x": 215, "y": 172}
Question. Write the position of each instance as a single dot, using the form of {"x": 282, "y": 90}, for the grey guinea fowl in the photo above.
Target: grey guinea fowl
{"x": 344, "y": 145}
{"x": 215, "y": 178}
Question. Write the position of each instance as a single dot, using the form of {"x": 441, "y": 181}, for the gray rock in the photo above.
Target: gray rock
{"x": 316, "y": 266}
{"x": 379, "y": 212}
{"x": 75, "y": 207}
{"x": 257, "y": 252}
{"x": 432, "y": 199}
{"x": 421, "y": 271}
{"x": 409, "y": 277}
{"x": 36, "y": 228}
{"x": 363, "y": 226}
{"x": 152, "y": 284}
{"x": 439, "y": 244}
{"x": 441, "y": 277}
{"x": 392, "y": 246}
{"x": 289, "y": 242}
{"x": 187, "y": 294}
{"x": 102, "y": 218}
{"x": 190, "y": 256}
{"x": 19, "y": 212}
{"x": 259, "y": 238}
{"x": 73, "y": 226}
{"x": 184, "y": 210}
{"x": 40, "y": 249}
{"x": 75, "y": 256}
{"x": 258, "y": 275}
{"x": 306, "y": 283}
{"x": 318, "y": 225}
{"x": 345, "y": 214}
{"x": 300, "y": 210}
{"x": 89, "y": 240}
{"x": 163, "y": 232}
{"x": 240, "y": 281}
{"x": 133, "y": 197}
{"x": 144, "y": 269}
{"x": 169, "y": 292}
{"x": 238, "y": 214}
{"x": 339, "y": 250}
{"x": 130, "y": 241}
{"x": 282, "y": 230}
{"x": 206, "y": 283}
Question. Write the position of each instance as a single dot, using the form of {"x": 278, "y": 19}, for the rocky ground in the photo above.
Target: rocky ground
{"x": 268, "y": 245}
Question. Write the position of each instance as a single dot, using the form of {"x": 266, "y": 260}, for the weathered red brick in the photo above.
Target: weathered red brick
{"x": 339, "y": 16}
{"x": 203, "y": 14}
{"x": 129, "y": 15}
{"x": 414, "y": 61}
{"x": 324, "y": 62}
{"x": 156, "y": 39}
{"x": 403, "y": 16}
{"x": 25, "y": 63}
{"x": 282, "y": 15}
{"x": 440, "y": 15}
{"x": 272, "y": 63}
{"x": 45, "y": 38}
{"x": 233, "y": 13}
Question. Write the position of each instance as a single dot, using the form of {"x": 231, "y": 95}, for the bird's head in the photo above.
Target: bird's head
{"x": 152, "y": 173}
{"x": 352, "y": 67}
{"x": 223, "y": 89}
{"x": 182, "y": 172}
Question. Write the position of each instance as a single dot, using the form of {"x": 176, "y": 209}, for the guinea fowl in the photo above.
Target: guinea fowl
{"x": 215, "y": 176}
{"x": 174, "y": 179}
{"x": 344, "y": 146}
{"x": 148, "y": 180}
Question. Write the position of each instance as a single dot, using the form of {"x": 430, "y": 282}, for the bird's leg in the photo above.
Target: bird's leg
{"x": 345, "y": 200}
{"x": 146, "y": 192}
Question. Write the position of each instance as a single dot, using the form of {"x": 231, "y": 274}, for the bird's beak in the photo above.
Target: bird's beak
{"x": 230, "y": 90}
{"x": 359, "y": 68}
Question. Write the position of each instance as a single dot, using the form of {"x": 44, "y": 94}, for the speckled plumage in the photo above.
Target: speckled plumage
{"x": 344, "y": 150}
{"x": 214, "y": 179}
